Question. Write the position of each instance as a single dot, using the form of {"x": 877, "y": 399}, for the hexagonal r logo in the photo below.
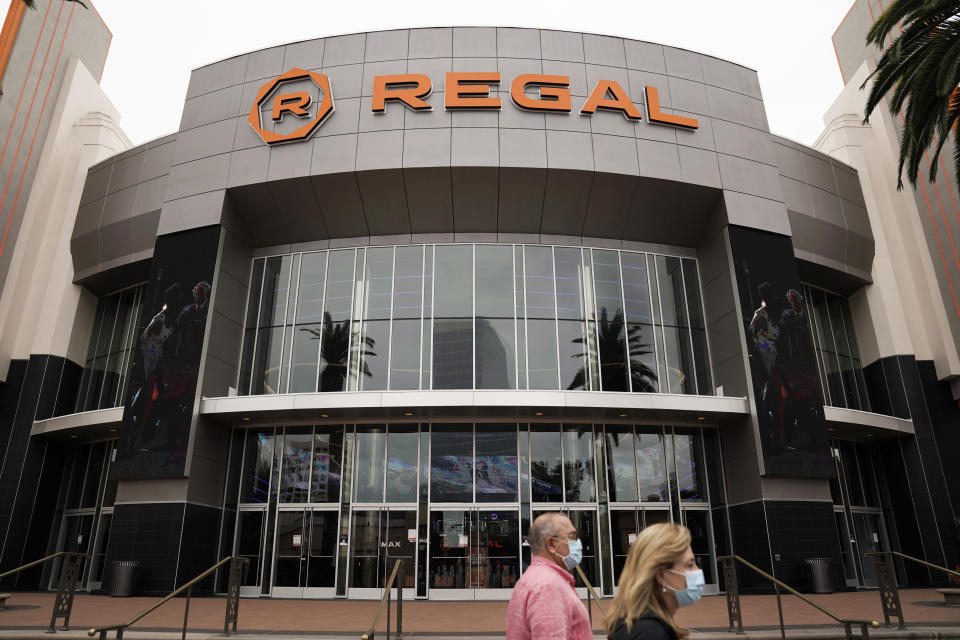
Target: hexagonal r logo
{"x": 294, "y": 104}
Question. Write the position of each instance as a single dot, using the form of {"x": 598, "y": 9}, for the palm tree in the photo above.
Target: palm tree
{"x": 31, "y": 4}
{"x": 920, "y": 69}
{"x": 335, "y": 351}
{"x": 613, "y": 353}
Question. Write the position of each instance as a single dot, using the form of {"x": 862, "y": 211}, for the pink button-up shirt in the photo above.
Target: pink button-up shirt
{"x": 545, "y": 606}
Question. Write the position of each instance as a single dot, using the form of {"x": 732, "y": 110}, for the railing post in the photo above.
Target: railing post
{"x": 400, "y": 575}
{"x": 63, "y": 604}
{"x": 733, "y": 594}
{"x": 783, "y": 633}
{"x": 389, "y": 598}
{"x": 887, "y": 583}
{"x": 186, "y": 613}
{"x": 237, "y": 568}
{"x": 590, "y": 608}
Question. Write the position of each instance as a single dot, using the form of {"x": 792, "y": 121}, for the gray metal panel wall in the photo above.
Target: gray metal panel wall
{"x": 828, "y": 217}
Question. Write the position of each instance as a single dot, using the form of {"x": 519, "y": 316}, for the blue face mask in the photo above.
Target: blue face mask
{"x": 575, "y": 553}
{"x": 693, "y": 590}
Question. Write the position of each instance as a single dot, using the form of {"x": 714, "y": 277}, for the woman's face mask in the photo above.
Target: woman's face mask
{"x": 694, "y": 589}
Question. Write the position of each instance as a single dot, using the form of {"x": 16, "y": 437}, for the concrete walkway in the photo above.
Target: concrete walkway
{"x": 28, "y": 615}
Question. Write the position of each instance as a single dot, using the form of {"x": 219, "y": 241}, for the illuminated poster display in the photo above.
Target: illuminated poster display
{"x": 158, "y": 411}
{"x": 783, "y": 366}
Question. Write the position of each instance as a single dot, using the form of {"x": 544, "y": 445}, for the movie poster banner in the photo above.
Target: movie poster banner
{"x": 783, "y": 365}
{"x": 158, "y": 412}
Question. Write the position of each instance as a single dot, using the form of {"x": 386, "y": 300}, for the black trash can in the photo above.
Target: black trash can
{"x": 818, "y": 569}
{"x": 123, "y": 574}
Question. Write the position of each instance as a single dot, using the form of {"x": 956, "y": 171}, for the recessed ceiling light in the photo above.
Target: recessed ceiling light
{"x": 829, "y": 428}
{"x": 113, "y": 430}
{"x": 408, "y": 413}
{"x": 323, "y": 415}
{"x": 624, "y": 415}
{"x": 245, "y": 419}
{"x": 701, "y": 418}
{"x": 74, "y": 436}
{"x": 539, "y": 413}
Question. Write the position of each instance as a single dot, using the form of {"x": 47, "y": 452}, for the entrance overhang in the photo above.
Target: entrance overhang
{"x": 369, "y": 406}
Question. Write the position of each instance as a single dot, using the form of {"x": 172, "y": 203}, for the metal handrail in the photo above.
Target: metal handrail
{"x": 846, "y": 622}
{"x": 590, "y": 591}
{"x": 905, "y": 557}
{"x": 887, "y": 582}
{"x": 120, "y": 627}
{"x": 66, "y": 586}
{"x": 384, "y": 601}
{"x": 41, "y": 561}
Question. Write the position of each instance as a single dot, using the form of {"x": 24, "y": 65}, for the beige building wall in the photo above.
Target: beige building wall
{"x": 902, "y": 312}
{"x": 41, "y": 310}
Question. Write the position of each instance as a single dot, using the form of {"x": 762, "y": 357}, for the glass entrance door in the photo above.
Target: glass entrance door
{"x": 868, "y": 534}
{"x": 474, "y": 553}
{"x": 378, "y": 538}
{"x": 306, "y": 562}
{"x": 585, "y": 521}
{"x": 76, "y": 536}
{"x": 625, "y": 525}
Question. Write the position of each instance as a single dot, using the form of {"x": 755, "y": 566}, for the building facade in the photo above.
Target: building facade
{"x": 390, "y": 295}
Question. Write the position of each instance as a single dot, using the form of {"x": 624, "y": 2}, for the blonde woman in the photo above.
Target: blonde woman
{"x": 660, "y": 576}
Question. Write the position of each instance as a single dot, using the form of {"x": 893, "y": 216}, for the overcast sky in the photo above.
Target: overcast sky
{"x": 156, "y": 44}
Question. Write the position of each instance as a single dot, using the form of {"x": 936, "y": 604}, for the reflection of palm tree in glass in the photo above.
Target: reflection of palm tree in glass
{"x": 335, "y": 352}
{"x": 613, "y": 350}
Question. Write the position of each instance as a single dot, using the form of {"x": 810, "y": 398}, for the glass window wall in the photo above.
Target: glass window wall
{"x": 838, "y": 358}
{"x": 104, "y": 380}
{"x": 468, "y": 487}
{"x": 479, "y": 316}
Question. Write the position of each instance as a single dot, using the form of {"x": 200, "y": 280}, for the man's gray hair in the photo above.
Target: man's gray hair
{"x": 544, "y": 526}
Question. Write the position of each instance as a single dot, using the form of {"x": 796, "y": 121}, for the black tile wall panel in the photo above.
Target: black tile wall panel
{"x": 149, "y": 534}
{"x": 945, "y": 425}
{"x": 794, "y": 530}
{"x": 801, "y": 530}
{"x": 173, "y": 542}
{"x": 903, "y": 524}
{"x": 198, "y": 551}
{"x": 877, "y": 389}
{"x": 69, "y": 389}
{"x": 8, "y": 403}
{"x": 24, "y": 491}
{"x": 44, "y": 523}
{"x": 749, "y": 531}
{"x": 927, "y": 495}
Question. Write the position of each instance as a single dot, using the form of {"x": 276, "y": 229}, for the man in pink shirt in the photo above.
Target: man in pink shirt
{"x": 544, "y": 604}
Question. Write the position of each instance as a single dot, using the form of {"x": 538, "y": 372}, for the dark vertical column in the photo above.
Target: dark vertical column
{"x": 175, "y": 539}
{"x": 31, "y": 467}
{"x": 784, "y": 388}
{"x": 923, "y": 480}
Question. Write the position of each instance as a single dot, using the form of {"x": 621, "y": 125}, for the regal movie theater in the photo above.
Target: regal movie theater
{"x": 391, "y": 295}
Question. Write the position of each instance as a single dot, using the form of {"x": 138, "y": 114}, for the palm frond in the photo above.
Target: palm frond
{"x": 919, "y": 75}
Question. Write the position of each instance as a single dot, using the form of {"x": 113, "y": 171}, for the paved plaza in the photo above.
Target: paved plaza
{"x": 28, "y": 614}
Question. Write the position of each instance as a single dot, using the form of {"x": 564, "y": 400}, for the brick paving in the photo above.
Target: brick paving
{"x": 31, "y": 611}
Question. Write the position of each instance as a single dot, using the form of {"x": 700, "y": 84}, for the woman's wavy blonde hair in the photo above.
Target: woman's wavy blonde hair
{"x": 657, "y": 547}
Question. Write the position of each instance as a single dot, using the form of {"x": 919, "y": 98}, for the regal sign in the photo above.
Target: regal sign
{"x": 464, "y": 91}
